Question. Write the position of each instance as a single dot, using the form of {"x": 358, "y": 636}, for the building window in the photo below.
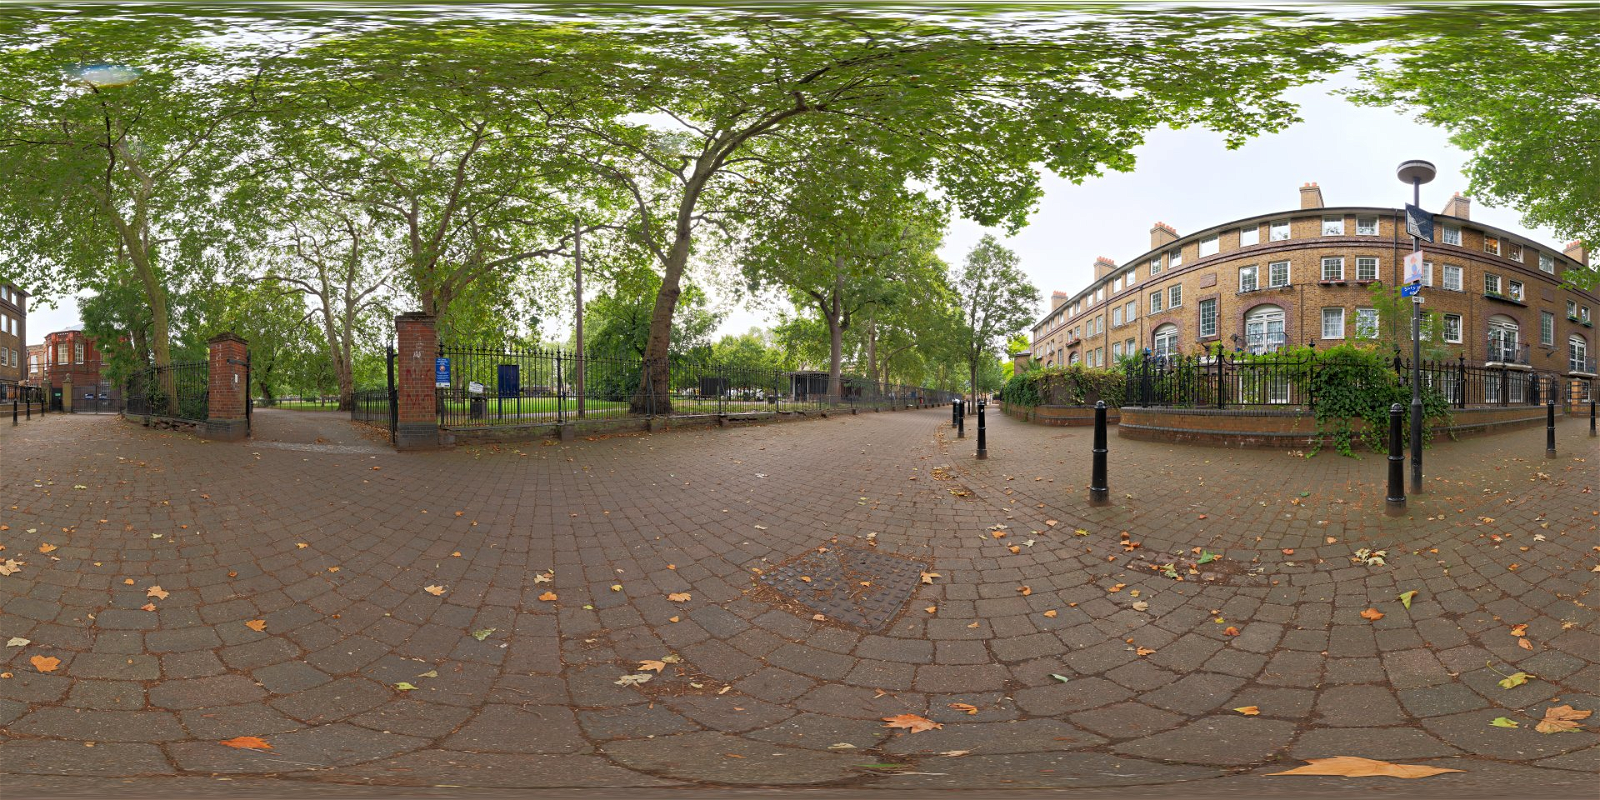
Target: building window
{"x": 1278, "y": 274}
{"x": 1503, "y": 332}
{"x": 1516, "y": 291}
{"x": 1491, "y": 284}
{"x": 1155, "y": 266}
{"x": 1578, "y": 355}
{"x": 1166, "y": 341}
{"x": 1366, "y": 323}
{"x": 1491, "y": 245}
{"x": 1116, "y": 351}
{"x": 1452, "y": 278}
{"x": 1132, "y": 276}
{"x": 1155, "y": 302}
{"x": 1175, "y": 257}
{"x": 1427, "y": 273}
{"x": 1366, "y": 268}
{"x": 1547, "y": 328}
{"x": 1100, "y": 294}
{"x": 1333, "y": 323}
{"x": 1452, "y": 328}
{"x": 1073, "y": 359}
{"x": 1130, "y": 312}
{"x": 1514, "y": 251}
{"x": 1278, "y": 231}
{"x": 1174, "y": 296}
{"x": 77, "y": 352}
{"x": 1247, "y": 279}
{"x": 61, "y": 354}
{"x": 1366, "y": 226}
{"x": 1116, "y": 286}
{"x": 1572, "y": 310}
{"x": 1263, "y": 329}
{"x": 1333, "y": 226}
{"x": 1333, "y": 268}
{"x": 1547, "y": 263}
{"x": 1583, "y": 315}
{"x": 1249, "y": 236}
{"x": 1208, "y": 317}
{"x": 1450, "y": 235}
{"x": 1116, "y": 317}
{"x": 1209, "y": 246}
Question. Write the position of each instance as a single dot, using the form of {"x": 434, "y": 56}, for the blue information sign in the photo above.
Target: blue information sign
{"x": 1410, "y": 289}
{"x": 509, "y": 380}
{"x": 441, "y": 372}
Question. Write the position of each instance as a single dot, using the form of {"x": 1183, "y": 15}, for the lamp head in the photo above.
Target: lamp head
{"x": 1416, "y": 171}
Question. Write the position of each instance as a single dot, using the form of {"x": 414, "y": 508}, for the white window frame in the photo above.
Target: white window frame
{"x": 1130, "y": 311}
{"x": 1116, "y": 285}
{"x": 1577, "y": 354}
{"x": 1366, "y": 226}
{"x": 1116, "y": 351}
{"x": 1335, "y": 315}
{"x": 1258, "y": 329}
{"x": 1155, "y": 301}
{"x": 1572, "y": 309}
{"x": 1450, "y": 234}
{"x": 1514, "y": 252}
{"x": 1514, "y": 290}
{"x": 1487, "y": 240}
{"x": 1451, "y": 270}
{"x": 1209, "y": 246}
{"x": 1333, "y": 225}
{"x": 77, "y": 352}
{"x": 1547, "y": 263}
{"x": 1333, "y": 260}
{"x": 1547, "y": 329}
{"x": 1583, "y": 314}
{"x": 1132, "y": 277}
{"x": 1366, "y": 275}
{"x": 1211, "y": 304}
{"x": 1272, "y": 275}
{"x": 1164, "y": 341}
{"x": 1491, "y": 279}
{"x": 1278, "y": 231}
{"x": 1250, "y": 236}
{"x": 1175, "y": 258}
{"x": 1448, "y": 337}
{"x": 1174, "y": 295}
{"x": 1254, "y": 282}
{"x": 1366, "y": 323}
{"x": 1116, "y": 317}
{"x": 1155, "y": 266}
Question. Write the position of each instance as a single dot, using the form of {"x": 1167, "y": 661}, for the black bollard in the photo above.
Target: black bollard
{"x": 961, "y": 420}
{"x": 1550, "y": 429}
{"x": 983, "y": 449}
{"x": 13, "y": 413}
{"x": 955, "y": 411}
{"x": 1591, "y": 416}
{"x": 1099, "y": 493}
{"x": 1397, "y": 459}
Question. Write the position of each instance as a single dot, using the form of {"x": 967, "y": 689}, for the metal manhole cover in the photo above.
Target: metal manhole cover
{"x": 857, "y": 587}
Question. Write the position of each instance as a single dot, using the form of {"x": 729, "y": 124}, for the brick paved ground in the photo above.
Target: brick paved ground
{"x": 1104, "y": 673}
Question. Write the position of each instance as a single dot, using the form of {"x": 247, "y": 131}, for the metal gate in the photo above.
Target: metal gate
{"x": 249, "y": 396}
{"x": 96, "y": 398}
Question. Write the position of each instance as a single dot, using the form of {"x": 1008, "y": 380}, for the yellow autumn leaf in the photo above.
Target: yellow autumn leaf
{"x": 1356, "y": 767}
{"x": 1249, "y": 711}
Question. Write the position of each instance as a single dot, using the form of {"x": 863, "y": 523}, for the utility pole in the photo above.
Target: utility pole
{"x": 1416, "y": 173}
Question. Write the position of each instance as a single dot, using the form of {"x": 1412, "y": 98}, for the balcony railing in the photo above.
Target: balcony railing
{"x": 1504, "y": 350}
{"x": 1583, "y": 365}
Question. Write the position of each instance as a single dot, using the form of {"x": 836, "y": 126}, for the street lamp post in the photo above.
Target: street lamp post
{"x": 1416, "y": 173}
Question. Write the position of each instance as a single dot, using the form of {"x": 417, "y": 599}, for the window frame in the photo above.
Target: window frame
{"x": 1203, "y": 305}
{"x": 1448, "y": 232}
{"x": 1494, "y": 251}
{"x": 1367, "y": 323}
{"x": 1376, "y": 267}
{"x": 1514, "y": 290}
{"x": 1255, "y": 231}
{"x": 1460, "y": 280}
{"x": 1547, "y": 262}
{"x": 1547, "y": 329}
{"x": 1156, "y": 298}
{"x": 1175, "y": 290}
{"x": 1325, "y": 261}
{"x": 1514, "y": 251}
{"x": 1275, "y": 226}
{"x": 1339, "y": 318}
{"x": 1155, "y": 265}
{"x": 1288, "y": 275}
{"x": 1333, "y": 225}
{"x": 1215, "y": 242}
{"x": 1175, "y": 258}
{"x": 1362, "y": 230}
{"x": 1255, "y": 278}
{"x": 1498, "y": 283}
{"x": 1446, "y": 332}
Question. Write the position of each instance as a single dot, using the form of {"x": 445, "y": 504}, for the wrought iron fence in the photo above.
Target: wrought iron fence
{"x": 180, "y": 391}
{"x": 533, "y": 385}
{"x": 1222, "y": 380}
{"x": 374, "y": 407}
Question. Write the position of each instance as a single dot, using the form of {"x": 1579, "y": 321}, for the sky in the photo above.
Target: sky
{"x": 1187, "y": 179}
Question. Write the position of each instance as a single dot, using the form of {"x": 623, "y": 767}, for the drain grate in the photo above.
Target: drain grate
{"x": 858, "y": 587}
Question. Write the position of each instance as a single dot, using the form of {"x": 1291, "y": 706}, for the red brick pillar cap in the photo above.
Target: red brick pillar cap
{"x": 227, "y": 336}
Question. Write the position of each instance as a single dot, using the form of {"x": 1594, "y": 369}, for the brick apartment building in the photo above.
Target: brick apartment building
{"x": 72, "y": 360}
{"x": 13, "y": 338}
{"x": 1301, "y": 276}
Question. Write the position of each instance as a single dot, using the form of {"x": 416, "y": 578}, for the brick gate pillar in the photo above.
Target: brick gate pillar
{"x": 225, "y": 406}
{"x": 417, "y": 425}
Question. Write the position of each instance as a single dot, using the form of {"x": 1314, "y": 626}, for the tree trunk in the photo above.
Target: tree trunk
{"x": 872, "y": 346}
{"x": 156, "y": 295}
{"x": 654, "y": 395}
{"x": 835, "y": 335}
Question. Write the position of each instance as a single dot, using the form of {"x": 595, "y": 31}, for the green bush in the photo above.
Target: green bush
{"x": 1072, "y": 385}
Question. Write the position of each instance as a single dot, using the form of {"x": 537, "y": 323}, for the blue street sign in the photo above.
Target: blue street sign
{"x": 509, "y": 380}
{"x": 441, "y": 372}
{"x": 1411, "y": 289}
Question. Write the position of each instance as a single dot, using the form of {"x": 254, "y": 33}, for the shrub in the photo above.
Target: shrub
{"x": 1072, "y": 385}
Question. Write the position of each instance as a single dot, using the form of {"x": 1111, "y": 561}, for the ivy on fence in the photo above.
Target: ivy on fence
{"x": 1071, "y": 385}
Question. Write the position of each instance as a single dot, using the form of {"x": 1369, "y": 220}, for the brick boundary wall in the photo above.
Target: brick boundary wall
{"x": 1061, "y": 416}
{"x": 225, "y": 389}
{"x": 417, "y": 418}
{"x": 1293, "y": 427}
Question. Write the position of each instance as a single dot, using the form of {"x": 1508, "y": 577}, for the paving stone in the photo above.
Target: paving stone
{"x": 632, "y": 723}
{"x": 1048, "y": 771}
{"x": 57, "y": 757}
{"x": 101, "y": 726}
{"x": 1024, "y": 736}
{"x": 1387, "y": 744}
{"x": 319, "y": 747}
{"x": 1472, "y": 732}
{"x": 707, "y": 757}
{"x": 818, "y": 731}
{"x": 1359, "y": 707}
{"x": 1224, "y": 741}
{"x": 201, "y": 692}
{"x": 225, "y": 722}
{"x": 496, "y": 770}
{"x": 342, "y": 698}
{"x": 514, "y": 729}
{"x": 1074, "y": 695}
{"x": 1127, "y": 720}
{"x": 413, "y": 718}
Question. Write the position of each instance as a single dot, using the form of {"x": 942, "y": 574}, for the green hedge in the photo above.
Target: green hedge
{"x": 1072, "y": 385}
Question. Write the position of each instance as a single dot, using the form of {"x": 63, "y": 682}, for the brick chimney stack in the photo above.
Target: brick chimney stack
{"x": 1057, "y": 300}
{"x": 1577, "y": 252}
{"x": 1103, "y": 266}
{"x": 1162, "y": 234}
{"x": 1458, "y": 207}
{"x": 1310, "y": 195}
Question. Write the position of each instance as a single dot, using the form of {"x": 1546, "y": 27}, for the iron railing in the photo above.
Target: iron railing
{"x": 179, "y": 391}
{"x": 537, "y": 386}
{"x": 1507, "y": 350}
{"x": 373, "y": 407}
{"x": 1221, "y": 380}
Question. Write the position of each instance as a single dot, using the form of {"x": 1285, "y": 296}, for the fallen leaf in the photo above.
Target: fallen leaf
{"x": 1514, "y": 680}
{"x": 1051, "y": 613}
{"x": 157, "y": 592}
{"x": 616, "y": 587}
{"x": 18, "y": 641}
{"x": 1520, "y": 629}
{"x": 633, "y": 680}
{"x": 1525, "y": 644}
{"x": 148, "y": 607}
{"x": 1015, "y": 549}
{"x": 931, "y": 609}
{"x": 333, "y": 569}
{"x": 679, "y": 597}
{"x": 548, "y": 597}
{"x": 1052, "y": 523}
{"x": 403, "y": 687}
{"x": 45, "y": 663}
{"x": 1230, "y": 631}
{"x": 256, "y": 625}
{"x": 1558, "y": 719}
{"x": 967, "y": 707}
{"x": 911, "y": 722}
{"x": 10, "y": 567}
{"x": 432, "y": 673}
{"x": 247, "y": 743}
{"x": 1405, "y": 598}
{"x": 1504, "y": 722}
{"x": 673, "y": 619}
{"x": 841, "y": 746}
{"x": 655, "y": 666}
{"x": 1141, "y": 606}
{"x": 301, "y": 545}
{"x": 1249, "y": 711}
{"x": 1025, "y": 590}
{"x": 1372, "y": 614}
{"x": 482, "y": 634}
{"x": 1356, "y": 767}
{"x": 1143, "y": 651}
{"x": 927, "y": 577}
{"x": 46, "y": 547}
{"x": 998, "y": 534}
{"x": 954, "y": 753}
